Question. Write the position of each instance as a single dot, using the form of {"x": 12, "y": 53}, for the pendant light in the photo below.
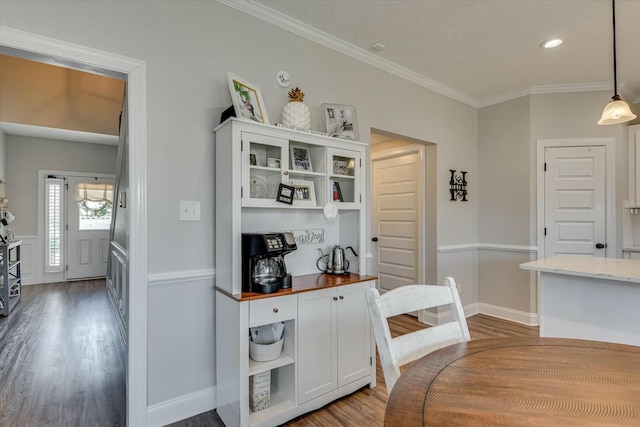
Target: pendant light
{"x": 616, "y": 111}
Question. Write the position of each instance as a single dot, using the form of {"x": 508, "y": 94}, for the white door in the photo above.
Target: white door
{"x": 89, "y": 203}
{"x": 398, "y": 215}
{"x": 575, "y": 200}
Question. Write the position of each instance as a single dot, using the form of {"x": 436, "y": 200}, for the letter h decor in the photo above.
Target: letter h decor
{"x": 458, "y": 186}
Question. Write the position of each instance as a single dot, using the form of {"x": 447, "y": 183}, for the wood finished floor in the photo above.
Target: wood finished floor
{"x": 366, "y": 406}
{"x": 62, "y": 363}
{"x": 62, "y": 360}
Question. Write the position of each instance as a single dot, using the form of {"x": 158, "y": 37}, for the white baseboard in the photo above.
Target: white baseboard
{"x": 529, "y": 319}
{"x": 181, "y": 407}
{"x": 517, "y": 316}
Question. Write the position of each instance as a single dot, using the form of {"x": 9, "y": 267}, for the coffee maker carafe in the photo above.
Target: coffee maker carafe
{"x": 263, "y": 266}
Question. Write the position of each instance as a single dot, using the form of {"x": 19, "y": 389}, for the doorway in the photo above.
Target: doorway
{"x": 404, "y": 239}
{"x": 14, "y": 42}
{"x": 576, "y": 201}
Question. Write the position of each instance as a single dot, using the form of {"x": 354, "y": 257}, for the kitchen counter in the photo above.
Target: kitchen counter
{"x": 304, "y": 283}
{"x": 585, "y": 297}
{"x": 588, "y": 266}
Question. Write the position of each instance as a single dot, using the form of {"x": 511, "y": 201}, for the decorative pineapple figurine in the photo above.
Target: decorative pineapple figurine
{"x": 296, "y": 114}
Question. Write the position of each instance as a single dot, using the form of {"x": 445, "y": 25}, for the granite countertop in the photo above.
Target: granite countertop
{"x": 626, "y": 270}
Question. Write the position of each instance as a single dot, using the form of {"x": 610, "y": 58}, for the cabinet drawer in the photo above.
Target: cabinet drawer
{"x": 270, "y": 310}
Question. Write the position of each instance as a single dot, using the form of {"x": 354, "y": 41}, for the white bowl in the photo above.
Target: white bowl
{"x": 265, "y": 352}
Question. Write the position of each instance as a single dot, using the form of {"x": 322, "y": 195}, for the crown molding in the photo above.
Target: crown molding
{"x": 290, "y": 24}
{"x": 546, "y": 89}
{"x": 55, "y": 133}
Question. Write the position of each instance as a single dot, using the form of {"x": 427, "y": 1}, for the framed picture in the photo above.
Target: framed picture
{"x": 273, "y": 162}
{"x": 304, "y": 193}
{"x": 340, "y": 121}
{"x": 253, "y": 159}
{"x": 300, "y": 159}
{"x": 341, "y": 167}
{"x": 285, "y": 193}
{"x": 247, "y": 99}
{"x": 337, "y": 193}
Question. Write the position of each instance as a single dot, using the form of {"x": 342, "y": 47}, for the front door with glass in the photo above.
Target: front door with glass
{"x": 89, "y": 207}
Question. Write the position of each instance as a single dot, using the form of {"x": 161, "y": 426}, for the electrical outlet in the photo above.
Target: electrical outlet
{"x": 189, "y": 210}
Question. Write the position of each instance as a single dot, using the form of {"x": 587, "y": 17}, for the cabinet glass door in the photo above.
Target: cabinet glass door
{"x": 263, "y": 160}
{"x": 344, "y": 177}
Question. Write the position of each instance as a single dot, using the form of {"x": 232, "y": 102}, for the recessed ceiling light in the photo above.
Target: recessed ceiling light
{"x": 551, "y": 43}
{"x": 378, "y": 46}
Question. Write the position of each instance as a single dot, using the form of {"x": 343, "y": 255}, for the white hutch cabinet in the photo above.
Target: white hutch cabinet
{"x": 328, "y": 347}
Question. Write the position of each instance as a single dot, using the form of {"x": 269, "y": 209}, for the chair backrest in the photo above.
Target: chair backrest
{"x": 395, "y": 352}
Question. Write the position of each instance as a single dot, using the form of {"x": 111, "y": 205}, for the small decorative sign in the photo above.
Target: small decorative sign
{"x": 458, "y": 185}
{"x": 308, "y": 237}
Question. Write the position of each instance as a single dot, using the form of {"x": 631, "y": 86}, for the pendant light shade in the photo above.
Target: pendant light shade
{"x": 616, "y": 111}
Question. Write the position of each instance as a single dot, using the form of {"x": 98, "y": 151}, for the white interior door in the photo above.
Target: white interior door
{"x": 89, "y": 202}
{"x": 398, "y": 215}
{"x": 575, "y": 200}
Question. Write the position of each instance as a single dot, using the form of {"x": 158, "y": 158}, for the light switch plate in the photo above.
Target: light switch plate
{"x": 189, "y": 210}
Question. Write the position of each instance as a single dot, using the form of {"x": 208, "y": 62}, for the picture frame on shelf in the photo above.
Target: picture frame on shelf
{"x": 341, "y": 167}
{"x": 285, "y": 194}
{"x": 300, "y": 158}
{"x": 340, "y": 121}
{"x": 304, "y": 193}
{"x": 273, "y": 162}
{"x": 247, "y": 99}
{"x": 253, "y": 159}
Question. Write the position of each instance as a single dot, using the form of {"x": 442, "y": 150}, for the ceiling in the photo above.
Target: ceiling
{"x": 477, "y": 51}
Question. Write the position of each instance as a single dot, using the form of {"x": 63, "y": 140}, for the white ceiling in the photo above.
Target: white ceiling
{"x": 476, "y": 51}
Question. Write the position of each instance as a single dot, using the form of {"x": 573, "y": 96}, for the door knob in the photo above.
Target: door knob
{"x": 374, "y": 239}
{"x": 601, "y": 245}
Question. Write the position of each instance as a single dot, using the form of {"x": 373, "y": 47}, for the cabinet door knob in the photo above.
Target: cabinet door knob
{"x": 335, "y": 298}
{"x": 275, "y": 310}
{"x": 285, "y": 173}
{"x": 341, "y": 296}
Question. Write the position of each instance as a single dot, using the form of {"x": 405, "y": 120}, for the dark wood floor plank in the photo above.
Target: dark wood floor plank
{"x": 62, "y": 360}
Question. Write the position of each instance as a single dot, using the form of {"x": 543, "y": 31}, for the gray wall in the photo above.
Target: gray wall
{"x": 27, "y": 155}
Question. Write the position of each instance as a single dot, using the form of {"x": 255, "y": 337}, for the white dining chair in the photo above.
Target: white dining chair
{"x": 395, "y": 352}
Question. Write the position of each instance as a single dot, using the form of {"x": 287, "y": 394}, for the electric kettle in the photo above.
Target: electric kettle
{"x": 337, "y": 262}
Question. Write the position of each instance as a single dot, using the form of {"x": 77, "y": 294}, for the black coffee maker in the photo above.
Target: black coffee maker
{"x": 263, "y": 266}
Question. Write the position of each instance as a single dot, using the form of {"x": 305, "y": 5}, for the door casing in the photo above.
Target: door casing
{"x": 136, "y": 72}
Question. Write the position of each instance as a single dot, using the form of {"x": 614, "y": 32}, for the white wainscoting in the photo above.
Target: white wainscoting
{"x": 181, "y": 349}
{"x": 452, "y": 257}
{"x": 29, "y": 260}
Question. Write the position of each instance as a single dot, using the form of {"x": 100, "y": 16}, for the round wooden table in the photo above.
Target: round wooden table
{"x": 520, "y": 382}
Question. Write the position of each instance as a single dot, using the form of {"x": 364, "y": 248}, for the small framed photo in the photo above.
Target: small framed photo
{"x": 341, "y": 167}
{"x": 247, "y": 99}
{"x": 253, "y": 159}
{"x": 273, "y": 162}
{"x": 304, "y": 193}
{"x": 340, "y": 121}
{"x": 337, "y": 192}
{"x": 300, "y": 159}
{"x": 285, "y": 194}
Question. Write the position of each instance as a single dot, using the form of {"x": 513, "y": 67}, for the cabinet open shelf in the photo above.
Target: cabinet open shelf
{"x": 258, "y": 367}
{"x": 279, "y": 404}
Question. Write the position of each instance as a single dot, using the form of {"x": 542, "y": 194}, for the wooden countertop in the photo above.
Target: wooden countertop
{"x": 305, "y": 283}
{"x": 624, "y": 270}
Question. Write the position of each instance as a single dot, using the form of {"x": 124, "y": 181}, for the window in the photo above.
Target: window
{"x": 95, "y": 203}
{"x": 53, "y": 218}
